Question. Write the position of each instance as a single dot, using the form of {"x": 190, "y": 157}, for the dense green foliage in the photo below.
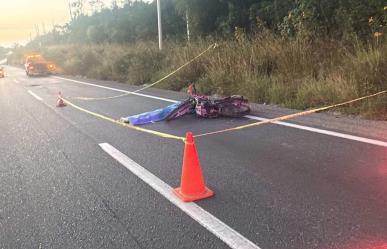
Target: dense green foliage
{"x": 137, "y": 20}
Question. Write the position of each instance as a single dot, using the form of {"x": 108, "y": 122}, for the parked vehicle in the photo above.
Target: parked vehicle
{"x": 36, "y": 65}
{"x": 2, "y": 74}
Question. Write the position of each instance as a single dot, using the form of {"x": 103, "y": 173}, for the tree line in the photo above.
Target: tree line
{"x": 132, "y": 21}
{"x": 3, "y": 52}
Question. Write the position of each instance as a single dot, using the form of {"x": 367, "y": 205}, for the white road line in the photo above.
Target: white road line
{"x": 228, "y": 235}
{"x": 16, "y": 81}
{"x": 325, "y": 132}
{"x": 118, "y": 90}
{"x": 34, "y": 95}
{"x": 300, "y": 127}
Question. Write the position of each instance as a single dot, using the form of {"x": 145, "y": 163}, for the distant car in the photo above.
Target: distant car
{"x": 2, "y": 74}
{"x": 36, "y": 65}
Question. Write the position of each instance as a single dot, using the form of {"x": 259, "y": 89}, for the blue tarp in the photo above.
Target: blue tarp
{"x": 151, "y": 117}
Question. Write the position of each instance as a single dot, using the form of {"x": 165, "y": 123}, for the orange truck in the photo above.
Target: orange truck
{"x": 37, "y": 65}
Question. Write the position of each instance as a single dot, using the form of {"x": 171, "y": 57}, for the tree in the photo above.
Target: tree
{"x": 137, "y": 20}
{"x": 96, "y": 34}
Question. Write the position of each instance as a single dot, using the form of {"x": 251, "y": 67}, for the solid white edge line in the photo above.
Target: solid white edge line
{"x": 118, "y": 90}
{"x": 225, "y": 233}
{"x": 325, "y": 132}
{"x": 300, "y": 127}
{"x": 34, "y": 95}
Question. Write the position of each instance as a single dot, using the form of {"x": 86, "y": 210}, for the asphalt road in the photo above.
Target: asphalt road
{"x": 278, "y": 186}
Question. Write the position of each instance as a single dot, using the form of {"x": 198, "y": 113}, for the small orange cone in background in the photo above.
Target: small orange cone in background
{"x": 192, "y": 187}
{"x": 60, "y": 102}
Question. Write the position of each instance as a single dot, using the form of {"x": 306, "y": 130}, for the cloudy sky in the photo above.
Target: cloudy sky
{"x": 19, "y": 17}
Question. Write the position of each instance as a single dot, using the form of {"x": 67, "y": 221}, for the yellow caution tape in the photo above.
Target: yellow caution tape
{"x": 286, "y": 117}
{"x": 156, "y": 133}
{"x": 102, "y": 98}
{"x": 213, "y": 46}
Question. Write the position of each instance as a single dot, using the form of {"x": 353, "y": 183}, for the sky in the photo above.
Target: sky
{"x": 19, "y": 17}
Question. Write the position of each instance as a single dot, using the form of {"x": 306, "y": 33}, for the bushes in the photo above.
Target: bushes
{"x": 295, "y": 73}
{"x": 131, "y": 64}
{"x": 138, "y": 65}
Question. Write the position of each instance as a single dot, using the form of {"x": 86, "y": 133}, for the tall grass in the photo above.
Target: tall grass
{"x": 295, "y": 73}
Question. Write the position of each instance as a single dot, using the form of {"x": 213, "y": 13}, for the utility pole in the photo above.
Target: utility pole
{"x": 159, "y": 25}
{"x": 187, "y": 20}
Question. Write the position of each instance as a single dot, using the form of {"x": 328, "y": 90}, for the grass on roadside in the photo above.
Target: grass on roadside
{"x": 294, "y": 73}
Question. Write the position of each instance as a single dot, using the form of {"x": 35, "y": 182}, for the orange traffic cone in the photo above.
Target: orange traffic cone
{"x": 192, "y": 186}
{"x": 60, "y": 102}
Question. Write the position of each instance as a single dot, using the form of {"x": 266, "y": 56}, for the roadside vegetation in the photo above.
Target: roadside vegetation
{"x": 3, "y": 52}
{"x": 299, "y": 54}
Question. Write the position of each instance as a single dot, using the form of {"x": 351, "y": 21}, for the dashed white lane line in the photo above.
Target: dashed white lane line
{"x": 34, "y": 95}
{"x": 300, "y": 127}
{"x": 228, "y": 235}
{"x": 325, "y": 132}
{"x": 118, "y": 90}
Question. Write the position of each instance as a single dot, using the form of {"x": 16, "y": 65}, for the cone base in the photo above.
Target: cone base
{"x": 189, "y": 198}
